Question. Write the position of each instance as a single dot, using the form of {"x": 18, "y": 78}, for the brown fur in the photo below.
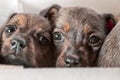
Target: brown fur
{"x": 72, "y": 45}
{"x": 66, "y": 27}
{"x": 109, "y": 55}
{"x": 29, "y": 28}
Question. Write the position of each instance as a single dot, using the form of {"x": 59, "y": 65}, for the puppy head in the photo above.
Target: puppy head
{"x": 78, "y": 35}
{"x": 26, "y": 40}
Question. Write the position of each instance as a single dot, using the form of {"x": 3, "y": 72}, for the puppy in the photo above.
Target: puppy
{"x": 26, "y": 40}
{"x": 78, "y": 34}
{"x": 109, "y": 55}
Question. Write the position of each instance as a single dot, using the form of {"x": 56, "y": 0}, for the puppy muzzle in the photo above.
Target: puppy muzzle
{"x": 12, "y": 60}
{"x": 71, "y": 62}
{"x": 18, "y": 45}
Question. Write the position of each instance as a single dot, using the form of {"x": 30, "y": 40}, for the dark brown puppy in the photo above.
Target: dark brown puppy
{"x": 78, "y": 34}
{"x": 109, "y": 55}
{"x": 26, "y": 40}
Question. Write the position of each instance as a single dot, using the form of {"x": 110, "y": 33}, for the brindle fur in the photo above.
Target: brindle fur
{"x": 28, "y": 27}
{"x": 77, "y": 24}
{"x": 109, "y": 55}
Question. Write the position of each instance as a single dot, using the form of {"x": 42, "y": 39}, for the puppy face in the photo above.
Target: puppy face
{"x": 78, "y": 35}
{"x": 26, "y": 40}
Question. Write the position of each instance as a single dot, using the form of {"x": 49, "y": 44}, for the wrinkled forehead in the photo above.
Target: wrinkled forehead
{"x": 75, "y": 18}
{"x": 31, "y": 22}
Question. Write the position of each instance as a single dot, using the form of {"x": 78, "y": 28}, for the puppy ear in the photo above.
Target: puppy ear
{"x": 110, "y": 21}
{"x": 51, "y": 12}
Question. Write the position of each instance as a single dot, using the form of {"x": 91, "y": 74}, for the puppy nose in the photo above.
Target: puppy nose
{"x": 71, "y": 61}
{"x": 18, "y": 44}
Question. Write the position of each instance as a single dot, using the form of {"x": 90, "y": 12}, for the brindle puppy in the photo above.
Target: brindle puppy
{"x": 26, "y": 40}
{"x": 78, "y": 34}
{"x": 109, "y": 55}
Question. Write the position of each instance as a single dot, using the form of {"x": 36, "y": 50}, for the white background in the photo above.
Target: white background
{"x": 61, "y": 74}
{"x": 8, "y": 7}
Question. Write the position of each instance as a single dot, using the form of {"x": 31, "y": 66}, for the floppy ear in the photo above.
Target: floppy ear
{"x": 110, "y": 21}
{"x": 51, "y": 12}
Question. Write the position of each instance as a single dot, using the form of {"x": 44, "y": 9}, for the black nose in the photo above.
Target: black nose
{"x": 71, "y": 61}
{"x": 18, "y": 44}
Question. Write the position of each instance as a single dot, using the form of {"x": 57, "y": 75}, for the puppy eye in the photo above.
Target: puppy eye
{"x": 94, "y": 39}
{"x": 10, "y": 29}
{"x": 43, "y": 40}
{"x": 57, "y": 36}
